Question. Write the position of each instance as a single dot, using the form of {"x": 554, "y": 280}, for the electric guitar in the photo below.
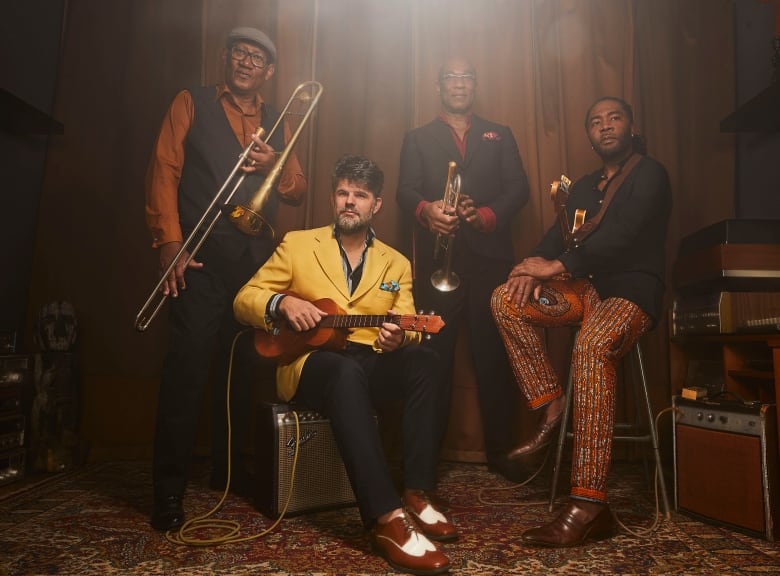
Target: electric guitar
{"x": 283, "y": 344}
{"x": 559, "y": 192}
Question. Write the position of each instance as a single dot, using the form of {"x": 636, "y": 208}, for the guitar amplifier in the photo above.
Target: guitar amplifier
{"x": 320, "y": 481}
{"x": 726, "y": 464}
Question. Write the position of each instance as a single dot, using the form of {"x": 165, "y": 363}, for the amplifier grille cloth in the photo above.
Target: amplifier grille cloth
{"x": 321, "y": 480}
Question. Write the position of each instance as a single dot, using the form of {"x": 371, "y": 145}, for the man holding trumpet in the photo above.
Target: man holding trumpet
{"x": 199, "y": 144}
{"x": 474, "y": 237}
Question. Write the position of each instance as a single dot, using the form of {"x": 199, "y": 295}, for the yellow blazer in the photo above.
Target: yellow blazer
{"x": 308, "y": 262}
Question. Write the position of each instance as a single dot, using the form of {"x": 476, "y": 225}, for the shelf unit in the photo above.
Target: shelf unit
{"x": 745, "y": 365}
{"x": 15, "y": 393}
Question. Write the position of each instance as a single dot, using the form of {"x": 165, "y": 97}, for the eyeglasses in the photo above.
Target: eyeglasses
{"x": 450, "y": 77}
{"x": 238, "y": 54}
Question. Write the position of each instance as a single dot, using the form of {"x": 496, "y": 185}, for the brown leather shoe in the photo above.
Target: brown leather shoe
{"x": 540, "y": 440}
{"x": 406, "y": 549}
{"x": 576, "y": 523}
{"x": 432, "y": 522}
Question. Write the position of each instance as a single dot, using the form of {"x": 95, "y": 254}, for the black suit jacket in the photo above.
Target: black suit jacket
{"x": 491, "y": 173}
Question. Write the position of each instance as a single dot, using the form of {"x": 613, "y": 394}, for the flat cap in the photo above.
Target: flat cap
{"x": 255, "y": 36}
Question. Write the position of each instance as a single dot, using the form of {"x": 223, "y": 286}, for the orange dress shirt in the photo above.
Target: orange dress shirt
{"x": 165, "y": 167}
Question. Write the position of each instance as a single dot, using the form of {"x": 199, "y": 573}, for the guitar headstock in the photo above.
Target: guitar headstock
{"x": 559, "y": 190}
{"x": 428, "y": 323}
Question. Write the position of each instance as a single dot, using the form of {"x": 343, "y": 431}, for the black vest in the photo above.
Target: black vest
{"x": 211, "y": 152}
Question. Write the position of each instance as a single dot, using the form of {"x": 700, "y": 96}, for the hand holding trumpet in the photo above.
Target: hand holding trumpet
{"x": 468, "y": 213}
{"x": 441, "y": 221}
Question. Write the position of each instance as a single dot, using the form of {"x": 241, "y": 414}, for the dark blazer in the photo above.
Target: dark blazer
{"x": 491, "y": 173}
{"x": 625, "y": 256}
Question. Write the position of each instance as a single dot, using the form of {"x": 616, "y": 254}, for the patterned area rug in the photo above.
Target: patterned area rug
{"x": 94, "y": 521}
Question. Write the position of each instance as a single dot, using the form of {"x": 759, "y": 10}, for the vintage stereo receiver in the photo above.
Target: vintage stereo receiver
{"x": 726, "y": 464}
{"x": 738, "y": 255}
{"x": 320, "y": 478}
{"x": 726, "y": 312}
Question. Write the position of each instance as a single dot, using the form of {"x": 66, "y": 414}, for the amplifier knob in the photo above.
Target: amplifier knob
{"x": 699, "y": 415}
{"x": 710, "y": 417}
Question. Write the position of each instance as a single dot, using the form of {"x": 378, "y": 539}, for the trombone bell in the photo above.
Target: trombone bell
{"x": 248, "y": 218}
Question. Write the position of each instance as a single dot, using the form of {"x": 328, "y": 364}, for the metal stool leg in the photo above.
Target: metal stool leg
{"x": 561, "y": 438}
{"x": 652, "y": 437}
{"x": 652, "y": 430}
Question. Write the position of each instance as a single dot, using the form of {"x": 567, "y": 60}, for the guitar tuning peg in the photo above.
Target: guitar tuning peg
{"x": 427, "y": 336}
{"x": 419, "y": 311}
{"x": 432, "y": 313}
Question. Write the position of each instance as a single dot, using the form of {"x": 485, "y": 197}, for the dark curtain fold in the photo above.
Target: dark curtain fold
{"x": 540, "y": 64}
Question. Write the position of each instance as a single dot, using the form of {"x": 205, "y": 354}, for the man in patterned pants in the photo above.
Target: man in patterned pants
{"x": 608, "y": 278}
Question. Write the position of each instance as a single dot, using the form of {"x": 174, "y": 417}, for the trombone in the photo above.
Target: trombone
{"x": 444, "y": 279}
{"x": 247, "y": 218}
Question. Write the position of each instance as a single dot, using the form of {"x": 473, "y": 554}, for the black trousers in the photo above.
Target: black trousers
{"x": 348, "y": 387}
{"x": 470, "y": 303}
{"x": 202, "y": 329}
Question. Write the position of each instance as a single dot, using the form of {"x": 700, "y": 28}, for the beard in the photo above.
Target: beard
{"x": 615, "y": 151}
{"x": 348, "y": 224}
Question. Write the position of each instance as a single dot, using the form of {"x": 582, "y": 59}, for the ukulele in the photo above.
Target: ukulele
{"x": 282, "y": 344}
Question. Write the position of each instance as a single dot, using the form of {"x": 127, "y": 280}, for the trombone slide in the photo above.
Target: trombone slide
{"x": 247, "y": 218}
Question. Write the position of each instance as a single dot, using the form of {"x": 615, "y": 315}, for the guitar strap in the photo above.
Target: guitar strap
{"x": 589, "y": 226}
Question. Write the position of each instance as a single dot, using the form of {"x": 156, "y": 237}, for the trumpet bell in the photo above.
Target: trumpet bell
{"x": 445, "y": 280}
{"x": 246, "y": 220}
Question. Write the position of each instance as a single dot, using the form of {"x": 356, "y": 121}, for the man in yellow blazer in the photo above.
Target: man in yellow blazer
{"x": 347, "y": 264}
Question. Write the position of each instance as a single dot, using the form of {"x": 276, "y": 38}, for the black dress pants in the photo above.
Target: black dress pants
{"x": 202, "y": 328}
{"x": 470, "y": 303}
{"x": 348, "y": 387}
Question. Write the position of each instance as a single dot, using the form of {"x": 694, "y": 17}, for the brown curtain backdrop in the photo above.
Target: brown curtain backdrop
{"x": 540, "y": 64}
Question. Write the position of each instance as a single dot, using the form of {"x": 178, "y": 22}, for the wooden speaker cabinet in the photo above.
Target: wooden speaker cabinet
{"x": 726, "y": 464}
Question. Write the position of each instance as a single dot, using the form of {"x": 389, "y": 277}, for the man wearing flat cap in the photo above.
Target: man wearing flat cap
{"x": 205, "y": 130}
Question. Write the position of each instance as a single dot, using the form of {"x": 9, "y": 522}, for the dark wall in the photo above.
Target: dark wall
{"x": 30, "y": 32}
{"x": 758, "y": 169}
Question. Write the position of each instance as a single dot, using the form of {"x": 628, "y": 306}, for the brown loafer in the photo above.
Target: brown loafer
{"x": 539, "y": 441}
{"x": 576, "y": 523}
{"x": 406, "y": 549}
{"x": 432, "y": 523}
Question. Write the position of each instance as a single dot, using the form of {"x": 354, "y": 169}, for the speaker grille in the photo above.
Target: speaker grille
{"x": 726, "y": 465}
{"x": 320, "y": 477}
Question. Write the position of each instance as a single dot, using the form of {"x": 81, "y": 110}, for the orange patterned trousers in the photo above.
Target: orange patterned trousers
{"x": 607, "y": 331}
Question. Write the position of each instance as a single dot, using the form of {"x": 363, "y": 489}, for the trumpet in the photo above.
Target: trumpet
{"x": 444, "y": 279}
{"x": 247, "y": 218}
